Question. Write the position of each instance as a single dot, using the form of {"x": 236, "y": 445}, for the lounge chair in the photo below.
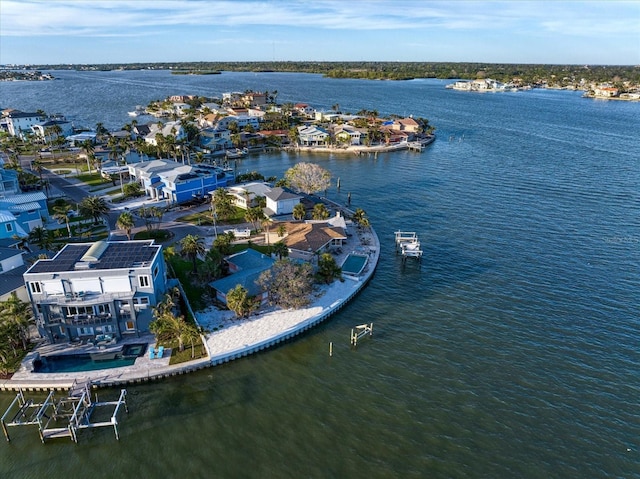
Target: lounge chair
{"x": 160, "y": 352}
{"x": 152, "y": 353}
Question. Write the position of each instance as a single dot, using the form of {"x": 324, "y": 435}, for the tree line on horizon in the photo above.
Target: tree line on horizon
{"x": 528, "y": 73}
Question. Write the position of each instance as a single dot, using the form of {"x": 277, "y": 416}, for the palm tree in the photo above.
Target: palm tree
{"x": 299, "y": 211}
{"x": 87, "y": 147}
{"x": 125, "y": 222}
{"x": 62, "y": 212}
{"x": 221, "y": 204}
{"x": 254, "y": 215}
{"x": 15, "y": 311}
{"x": 41, "y": 237}
{"x": 280, "y": 249}
{"x": 94, "y": 206}
{"x": 191, "y": 247}
{"x": 320, "y": 212}
{"x": 266, "y": 224}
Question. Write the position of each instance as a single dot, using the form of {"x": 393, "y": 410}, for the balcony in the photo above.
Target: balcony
{"x": 83, "y": 298}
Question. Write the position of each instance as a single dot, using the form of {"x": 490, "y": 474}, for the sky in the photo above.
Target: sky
{"x": 99, "y": 31}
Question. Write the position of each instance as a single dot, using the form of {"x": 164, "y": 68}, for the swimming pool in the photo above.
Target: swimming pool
{"x": 354, "y": 264}
{"x": 71, "y": 363}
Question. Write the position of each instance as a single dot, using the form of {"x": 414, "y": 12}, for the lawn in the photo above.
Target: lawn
{"x": 183, "y": 270}
{"x": 92, "y": 179}
{"x": 204, "y": 218}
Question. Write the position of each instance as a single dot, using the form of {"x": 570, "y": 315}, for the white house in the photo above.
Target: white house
{"x": 19, "y": 123}
{"x": 97, "y": 288}
{"x": 281, "y": 201}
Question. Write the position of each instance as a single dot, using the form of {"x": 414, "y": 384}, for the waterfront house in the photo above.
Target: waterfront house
{"x": 246, "y": 195}
{"x": 97, "y": 288}
{"x": 173, "y": 128}
{"x": 306, "y": 240}
{"x": 19, "y": 123}
{"x": 187, "y": 182}
{"x": 44, "y": 131}
{"x": 347, "y": 134}
{"x": 305, "y": 110}
{"x": 215, "y": 139}
{"x": 241, "y": 121}
{"x": 244, "y": 269}
{"x": 166, "y": 179}
{"x": 311, "y": 135}
{"x": 406, "y": 124}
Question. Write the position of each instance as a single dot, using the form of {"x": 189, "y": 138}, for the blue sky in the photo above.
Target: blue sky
{"x": 97, "y": 31}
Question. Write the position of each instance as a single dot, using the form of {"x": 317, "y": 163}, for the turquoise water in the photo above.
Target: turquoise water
{"x": 354, "y": 263}
{"x": 70, "y": 363}
{"x": 512, "y": 351}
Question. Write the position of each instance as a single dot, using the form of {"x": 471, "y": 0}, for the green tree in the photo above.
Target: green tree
{"x": 328, "y": 269}
{"x": 280, "y": 249}
{"x": 18, "y": 313}
{"x": 191, "y": 247}
{"x": 93, "y": 206}
{"x": 223, "y": 242}
{"x": 239, "y": 301}
{"x": 125, "y": 222}
{"x": 222, "y": 205}
{"x": 63, "y": 213}
{"x": 41, "y": 237}
{"x": 299, "y": 212}
{"x": 289, "y": 285}
{"x": 132, "y": 189}
{"x": 308, "y": 177}
{"x": 320, "y": 212}
{"x": 253, "y": 216}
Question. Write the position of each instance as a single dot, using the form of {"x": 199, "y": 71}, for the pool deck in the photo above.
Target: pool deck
{"x": 230, "y": 339}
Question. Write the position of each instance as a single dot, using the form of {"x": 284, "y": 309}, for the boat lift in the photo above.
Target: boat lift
{"x": 408, "y": 245}
{"x": 360, "y": 331}
{"x": 63, "y": 417}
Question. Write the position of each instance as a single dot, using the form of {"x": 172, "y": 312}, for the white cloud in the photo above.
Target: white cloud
{"x": 99, "y": 17}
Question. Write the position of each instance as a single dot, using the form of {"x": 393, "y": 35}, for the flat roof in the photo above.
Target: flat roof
{"x": 116, "y": 255}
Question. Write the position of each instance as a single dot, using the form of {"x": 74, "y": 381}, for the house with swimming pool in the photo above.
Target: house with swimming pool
{"x": 92, "y": 289}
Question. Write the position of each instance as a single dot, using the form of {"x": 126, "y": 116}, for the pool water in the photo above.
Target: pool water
{"x": 71, "y": 363}
{"x": 354, "y": 264}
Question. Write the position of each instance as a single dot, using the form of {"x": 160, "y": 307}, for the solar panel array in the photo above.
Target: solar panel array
{"x": 126, "y": 255}
{"x": 63, "y": 261}
{"x": 118, "y": 255}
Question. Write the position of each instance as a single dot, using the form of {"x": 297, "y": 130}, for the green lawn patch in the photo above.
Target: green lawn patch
{"x": 204, "y": 218}
{"x": 183, "y": 270}
{"x": 92, "y": 179}
{"x": 184, "y": 356}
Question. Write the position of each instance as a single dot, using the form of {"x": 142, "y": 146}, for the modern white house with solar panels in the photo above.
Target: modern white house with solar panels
{"x": 101, "y": 288}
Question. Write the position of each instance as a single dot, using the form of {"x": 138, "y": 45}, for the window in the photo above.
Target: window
{"x": 85, "y": 331}
{"x": 130, "y": 326}
{"x": 155, "y": 272}
{"x": 143, "y": 281}
{"x": 9, "y": 226}
{"x": 35, "y": 287}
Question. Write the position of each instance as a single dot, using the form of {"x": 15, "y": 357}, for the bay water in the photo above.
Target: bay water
{"x": 512, "y": 350}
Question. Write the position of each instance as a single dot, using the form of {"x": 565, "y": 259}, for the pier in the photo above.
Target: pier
{"x": 64, "y": 417}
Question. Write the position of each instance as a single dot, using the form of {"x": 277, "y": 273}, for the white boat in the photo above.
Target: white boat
{"x": 237, "y": 153}
{"x": 140, "y": 110}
